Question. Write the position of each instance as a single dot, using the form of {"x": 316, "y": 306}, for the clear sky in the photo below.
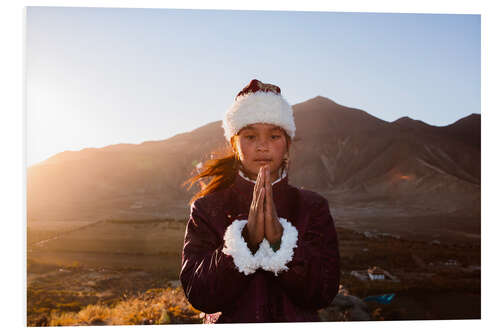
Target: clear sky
{"x": 101, "y": 76}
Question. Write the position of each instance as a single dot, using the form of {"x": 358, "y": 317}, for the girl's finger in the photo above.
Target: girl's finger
{"x": 260, "y": 205}
{"x": 269, "y": 190}
{"x": 262, "y": 184}
{"x": 256, "y": 193}
{"x": 263, "y": 170}
{"x": 258, "y": 186}
{"x": 268, "y": 178}
{"x": 259, "y": 180}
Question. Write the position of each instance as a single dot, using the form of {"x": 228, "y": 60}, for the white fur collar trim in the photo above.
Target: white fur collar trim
{"x": 253, "y": 181}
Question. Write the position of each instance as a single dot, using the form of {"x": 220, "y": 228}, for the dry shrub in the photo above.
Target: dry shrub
{"x": 63, "y": 319}
{"x": 136, "y": 311}
{"x": 156, "y": 306}
{"x": 94, "y": 315}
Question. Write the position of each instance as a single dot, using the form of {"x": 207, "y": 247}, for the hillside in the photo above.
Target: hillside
{"x": 349, "y": 156}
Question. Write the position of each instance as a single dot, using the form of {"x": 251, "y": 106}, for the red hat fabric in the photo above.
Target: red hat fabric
{"x": 255, "y": 85}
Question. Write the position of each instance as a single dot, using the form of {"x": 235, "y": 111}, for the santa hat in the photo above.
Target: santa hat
{"x": 258, "y": 103}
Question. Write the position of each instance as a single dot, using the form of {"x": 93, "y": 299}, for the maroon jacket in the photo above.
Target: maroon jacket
{"x": 220, "y": 275}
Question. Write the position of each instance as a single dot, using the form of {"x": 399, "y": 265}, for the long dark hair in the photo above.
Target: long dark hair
{"x": 223, "y": 170}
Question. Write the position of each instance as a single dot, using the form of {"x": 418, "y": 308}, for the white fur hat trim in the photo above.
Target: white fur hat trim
{"x": 258, "y": 107}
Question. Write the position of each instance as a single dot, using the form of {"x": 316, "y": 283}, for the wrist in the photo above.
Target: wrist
{"x": 253, "y": 247}
{"x": 276, "y": 245}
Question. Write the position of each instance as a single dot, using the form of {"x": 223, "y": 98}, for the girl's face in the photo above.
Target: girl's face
{"x": 261, "y": 144}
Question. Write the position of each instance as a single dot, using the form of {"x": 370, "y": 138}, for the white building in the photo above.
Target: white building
{"x": 376, "y": 273}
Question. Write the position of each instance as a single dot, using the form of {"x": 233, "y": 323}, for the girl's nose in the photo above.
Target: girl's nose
{"x": 262, "y": 145}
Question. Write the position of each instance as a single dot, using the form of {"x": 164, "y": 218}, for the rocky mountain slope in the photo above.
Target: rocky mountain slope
{"x": 348, "y": 155}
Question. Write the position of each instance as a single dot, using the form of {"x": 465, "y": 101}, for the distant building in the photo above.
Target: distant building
{"x": 451, "y": 262}
{"x": 376, "y": 273}
{"x": 369, "y": 234}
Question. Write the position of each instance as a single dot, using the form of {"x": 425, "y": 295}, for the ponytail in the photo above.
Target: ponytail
{"x": 222, "y": 170}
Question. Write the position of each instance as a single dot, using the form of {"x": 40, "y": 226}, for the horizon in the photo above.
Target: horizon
{"x": 103, "y": 76}
{"x": 170, "y": 137}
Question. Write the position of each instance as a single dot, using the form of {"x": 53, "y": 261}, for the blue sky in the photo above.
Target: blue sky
{"x": 100, "y": 76}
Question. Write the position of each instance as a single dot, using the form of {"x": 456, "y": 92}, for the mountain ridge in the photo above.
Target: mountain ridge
{"x": 343, "y": 153}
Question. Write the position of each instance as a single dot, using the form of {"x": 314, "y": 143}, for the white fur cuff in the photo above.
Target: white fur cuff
{"x": 265, "y": 257}
{"x": 236, "y": 247}
{"x": 276, "y": 261}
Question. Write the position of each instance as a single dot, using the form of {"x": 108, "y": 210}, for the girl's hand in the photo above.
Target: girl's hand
{"x": 253, "y": 232}
{"x": 273, "y": 228}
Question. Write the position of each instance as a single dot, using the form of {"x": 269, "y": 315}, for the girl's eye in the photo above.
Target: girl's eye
{"x": 275, "y": 137}
{"x": 250, "y": 137}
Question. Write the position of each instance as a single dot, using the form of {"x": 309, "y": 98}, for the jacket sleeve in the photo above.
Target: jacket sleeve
{"x": 311, "y": 277}
{"x": 210, "y": 275}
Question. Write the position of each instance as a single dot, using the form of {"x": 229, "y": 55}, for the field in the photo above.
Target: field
{"x": 113, "y": 265}
{"x": 131, "y": 237}
{"x": 82, "y": 295}
{"x": 445, "y": 229}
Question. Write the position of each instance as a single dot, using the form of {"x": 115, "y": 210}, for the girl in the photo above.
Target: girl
{"x": 257, "y": 249}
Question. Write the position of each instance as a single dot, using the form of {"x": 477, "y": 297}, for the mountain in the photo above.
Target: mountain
{"x": 346, "y": 154}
